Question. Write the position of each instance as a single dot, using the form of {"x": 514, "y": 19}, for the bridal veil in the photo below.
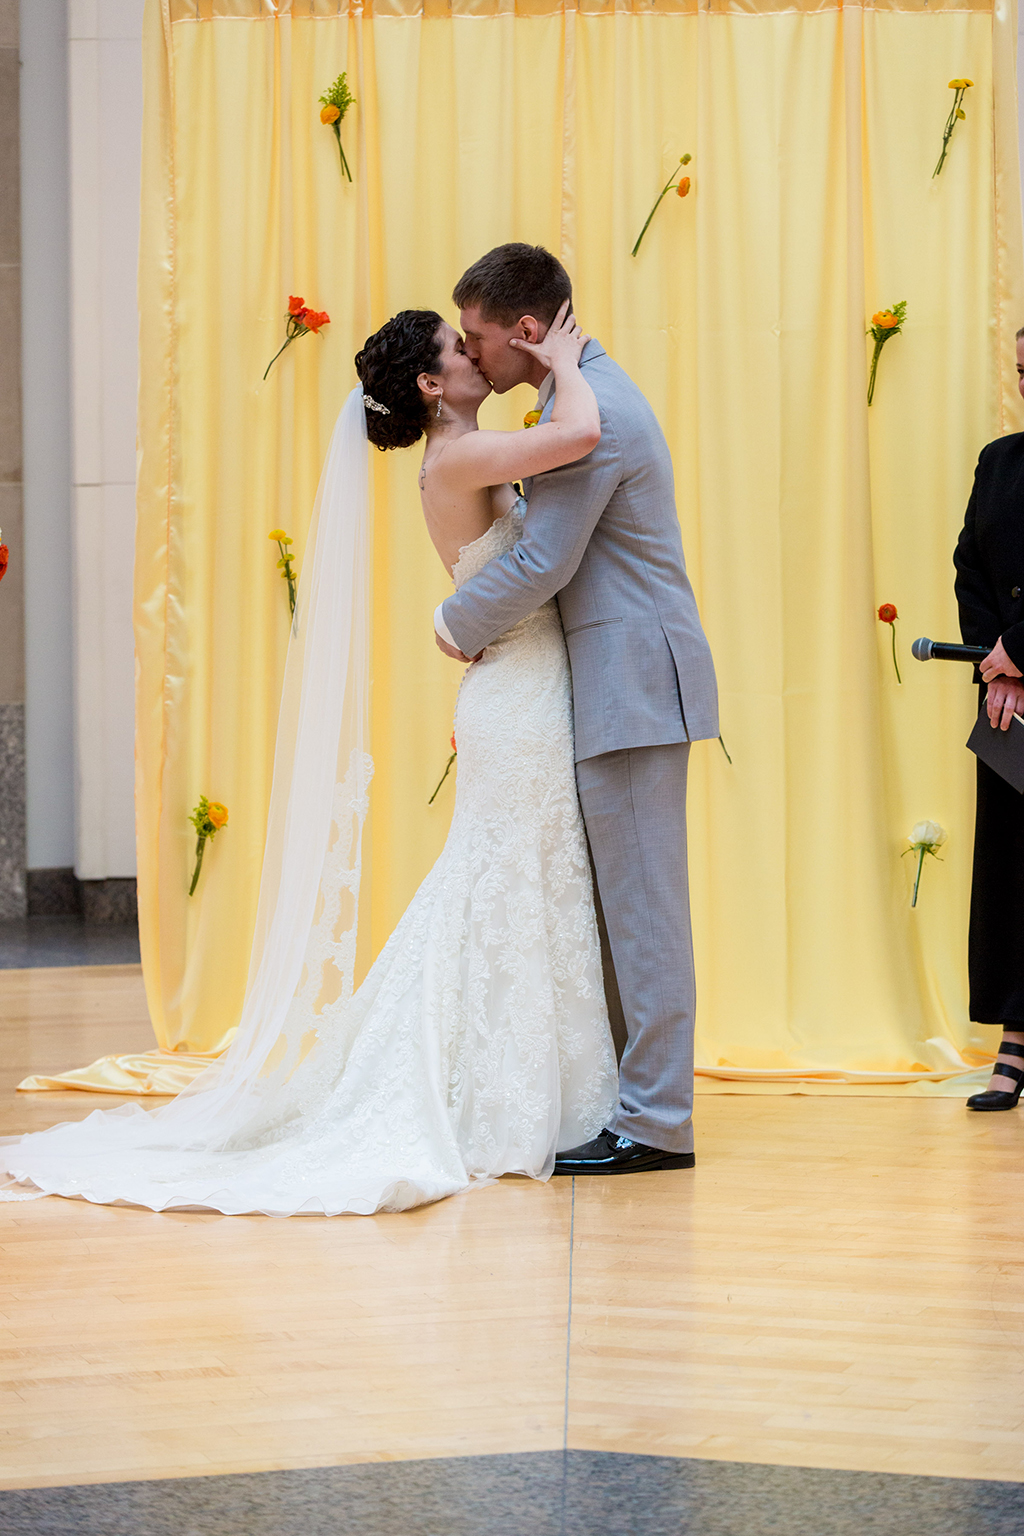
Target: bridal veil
{"x": 303, "y": 952}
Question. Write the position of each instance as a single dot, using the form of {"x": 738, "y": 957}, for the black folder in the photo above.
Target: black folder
{"x": 1002, "y": 751}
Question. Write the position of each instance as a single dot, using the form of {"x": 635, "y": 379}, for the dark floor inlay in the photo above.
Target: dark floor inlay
{"x": 36, "y": 941}
{"x": 545, "y": 1493}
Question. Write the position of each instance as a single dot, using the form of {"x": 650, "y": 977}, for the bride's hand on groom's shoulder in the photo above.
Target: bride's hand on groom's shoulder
{"x": 563, "y": 343}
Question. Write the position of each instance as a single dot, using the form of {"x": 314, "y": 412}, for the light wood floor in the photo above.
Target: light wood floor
{"x": 838, "y": 1285}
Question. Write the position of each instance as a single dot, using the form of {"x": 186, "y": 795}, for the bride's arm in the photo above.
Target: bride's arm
{"x": 489, "y": 458}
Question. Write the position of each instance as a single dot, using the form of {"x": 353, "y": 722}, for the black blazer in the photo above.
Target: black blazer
{"x": 989, "y": 556}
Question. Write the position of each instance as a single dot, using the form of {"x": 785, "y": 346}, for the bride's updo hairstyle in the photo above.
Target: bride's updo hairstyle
{"x": 388, "y": 367}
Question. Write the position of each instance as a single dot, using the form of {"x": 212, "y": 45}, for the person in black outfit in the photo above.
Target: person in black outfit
{"x": 989, "y": 560}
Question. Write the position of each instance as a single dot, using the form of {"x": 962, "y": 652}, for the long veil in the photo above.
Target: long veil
{"x": 303, "y": 952}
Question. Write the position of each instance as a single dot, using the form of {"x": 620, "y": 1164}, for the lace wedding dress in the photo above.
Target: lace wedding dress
{"x": 479, "y": 1041}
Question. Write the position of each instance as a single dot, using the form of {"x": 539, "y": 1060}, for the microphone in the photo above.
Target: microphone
{"x": 942, "y": 650}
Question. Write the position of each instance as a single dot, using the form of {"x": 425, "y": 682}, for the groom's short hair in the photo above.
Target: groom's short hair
{"x": 512, "y": 281}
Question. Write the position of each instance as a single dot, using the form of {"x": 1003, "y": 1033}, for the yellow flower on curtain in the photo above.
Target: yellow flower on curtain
{"x": 280, "y": 538}
{"x": 336, "y": 102}
{"x": 956, "y": 114}
{"x": 208, "y": 818}
{"x": 885, "y": 324}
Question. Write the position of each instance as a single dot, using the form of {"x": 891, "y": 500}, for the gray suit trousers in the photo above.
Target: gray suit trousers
{"x": 634, "y": 806}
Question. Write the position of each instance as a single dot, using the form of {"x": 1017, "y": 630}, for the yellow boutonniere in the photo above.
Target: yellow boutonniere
{"x": 531, "y": 418}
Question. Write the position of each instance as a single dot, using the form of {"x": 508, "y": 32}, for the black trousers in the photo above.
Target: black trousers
{"x": 996, "y": 945}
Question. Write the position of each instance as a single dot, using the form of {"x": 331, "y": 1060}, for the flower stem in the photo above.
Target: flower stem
{"x": 341, "y": 152}
{"x": 725, "y": 749}
{"x": 874, "y": 369}
{"x": 917, "y": 878}
{"x": 895, "y": 663}
{"x": 200, "y": 845}
{"x": 289, "y": 577}
{"x": 276, "y": 355}
{"x": 444, "y": 775}
{"x": 947, "y": 132}
{"x": 650, "y": 216}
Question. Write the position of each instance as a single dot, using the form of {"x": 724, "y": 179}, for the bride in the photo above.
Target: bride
{"x": 479, "y": 1042}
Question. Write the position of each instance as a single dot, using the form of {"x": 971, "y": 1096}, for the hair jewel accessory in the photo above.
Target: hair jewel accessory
{"x": 375, "y": 405}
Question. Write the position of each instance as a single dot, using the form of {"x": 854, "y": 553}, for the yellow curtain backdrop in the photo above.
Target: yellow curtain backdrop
{"x": 814, "y": 130}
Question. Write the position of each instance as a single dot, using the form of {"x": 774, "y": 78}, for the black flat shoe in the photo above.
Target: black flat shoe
{"x": 609, "y": 1153}
{"x": 994, "y": 1098}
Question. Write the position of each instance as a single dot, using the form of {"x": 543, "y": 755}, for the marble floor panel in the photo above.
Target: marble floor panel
{"x": 578, "y": 1493}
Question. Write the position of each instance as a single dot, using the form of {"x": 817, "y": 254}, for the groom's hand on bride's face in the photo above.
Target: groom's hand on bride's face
{"x": 452, "y": 651}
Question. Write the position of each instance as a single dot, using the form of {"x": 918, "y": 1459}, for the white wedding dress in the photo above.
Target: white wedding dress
{"x": 479, "y": 1041}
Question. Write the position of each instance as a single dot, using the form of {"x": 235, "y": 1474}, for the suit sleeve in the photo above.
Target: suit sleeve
{"x": 563, "y": 510}
{"x": 1013, "y": 645}
{"x": 975, "y": 595}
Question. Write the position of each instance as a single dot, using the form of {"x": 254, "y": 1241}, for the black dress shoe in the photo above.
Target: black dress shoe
{"x": 992, "y": 1098}
{"x": 610, "y": 1153}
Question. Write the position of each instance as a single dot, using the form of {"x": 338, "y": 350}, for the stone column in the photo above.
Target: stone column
{"x": 12, "y": 601}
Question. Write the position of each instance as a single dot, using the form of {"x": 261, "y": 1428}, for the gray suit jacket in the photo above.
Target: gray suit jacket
{"x": 603, "y": 536}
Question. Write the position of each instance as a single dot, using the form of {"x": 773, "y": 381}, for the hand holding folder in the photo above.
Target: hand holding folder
{"x": 1002, "y": 751}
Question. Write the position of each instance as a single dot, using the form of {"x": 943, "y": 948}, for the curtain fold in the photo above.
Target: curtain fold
{"x": 814, "y": 130}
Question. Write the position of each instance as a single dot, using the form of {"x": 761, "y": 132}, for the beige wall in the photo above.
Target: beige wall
{"x": 46, "y": 410}
{"x": 12, "y": 605}
{"x": 12, "y": 626}
{"x": 105, "y": 107}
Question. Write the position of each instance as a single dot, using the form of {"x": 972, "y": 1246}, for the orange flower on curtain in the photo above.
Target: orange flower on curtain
{"x": 300, "y": 321}
{"x": 681, "y": 188}
{"x": 447, "y": 770}
{"x": 885, "y": 324}
{"x": 888, "y": 615}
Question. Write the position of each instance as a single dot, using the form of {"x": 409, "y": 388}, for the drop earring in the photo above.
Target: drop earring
{"x": 439, "y": 399}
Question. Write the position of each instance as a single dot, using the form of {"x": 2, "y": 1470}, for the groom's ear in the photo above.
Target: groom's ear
{"x": 530, "y": 329}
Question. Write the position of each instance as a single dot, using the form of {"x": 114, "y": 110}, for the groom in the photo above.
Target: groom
{"x": 603, "y": 536}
